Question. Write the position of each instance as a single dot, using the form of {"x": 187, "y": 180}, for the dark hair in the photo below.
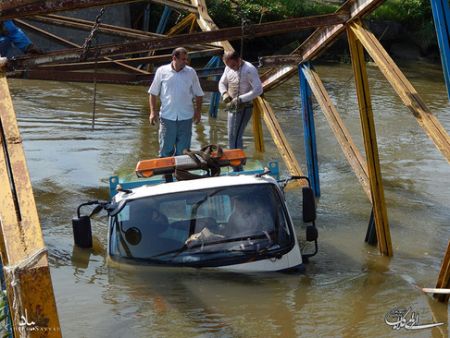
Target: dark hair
{"x": 231, "y": 55}
{"x": 178, "y": 51}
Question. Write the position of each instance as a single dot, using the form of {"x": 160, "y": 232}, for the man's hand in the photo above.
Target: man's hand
{"x": 154, "y": 117}
{"x": 234, "y": 104}
{"x": 226, "y": 98}
{"x": 197, "y": 117}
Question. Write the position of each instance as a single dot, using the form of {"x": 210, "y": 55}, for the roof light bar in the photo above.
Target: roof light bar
{"x": 167, "y": 165}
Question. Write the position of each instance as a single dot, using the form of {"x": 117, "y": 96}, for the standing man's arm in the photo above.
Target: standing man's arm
{"x": 256, "y": 85}
{"x": 198, "y": 92}
{"x": 154, "y": 114}
{"x": 198, "y": 109}
{"x": 223, "y": 87}
{"x": 153, "y": 93}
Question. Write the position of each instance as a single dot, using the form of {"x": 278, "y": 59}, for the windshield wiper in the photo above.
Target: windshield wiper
{"x": 222, "y": 241}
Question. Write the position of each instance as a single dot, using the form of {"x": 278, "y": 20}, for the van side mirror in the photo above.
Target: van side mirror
{"x": 309, "y": 205}
{"x": 82, "y": 231}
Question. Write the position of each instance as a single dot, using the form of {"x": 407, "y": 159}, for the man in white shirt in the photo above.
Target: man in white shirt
{"x": 177, "y": 85}
{"x": 239, "y": 85}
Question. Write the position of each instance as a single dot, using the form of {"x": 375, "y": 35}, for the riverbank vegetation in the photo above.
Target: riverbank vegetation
{"x": 405, "y": 27}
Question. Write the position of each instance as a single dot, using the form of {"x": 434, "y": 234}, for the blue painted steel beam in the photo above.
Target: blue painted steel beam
{"x": 441, "y": 15}
{"x": 309, "y": 130}
{"x": 162, "y": 25}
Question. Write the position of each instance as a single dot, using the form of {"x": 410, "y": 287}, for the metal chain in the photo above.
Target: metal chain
{"x": 87, "y": 45}
{"x": 88, "y": 42}
{"x": 236, "y": 127}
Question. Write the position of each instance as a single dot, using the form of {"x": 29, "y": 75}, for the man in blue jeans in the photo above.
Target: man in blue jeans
{"x": 177, "y": 85}
{"x": 10, "y": 34}
{"x": 239, "y": 85}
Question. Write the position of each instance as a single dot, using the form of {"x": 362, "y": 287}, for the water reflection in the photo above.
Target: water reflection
{"x": 346, "y": 289}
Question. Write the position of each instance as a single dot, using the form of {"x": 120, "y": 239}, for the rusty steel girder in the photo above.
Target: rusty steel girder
{"x": 233, "y": 33}
{"x": 319, "y": 41}
{"x": 155, "y": 59}
{"x": 279, "y": 60}
{"x": 110, "y": 78}
{"x": 23, "y": 8}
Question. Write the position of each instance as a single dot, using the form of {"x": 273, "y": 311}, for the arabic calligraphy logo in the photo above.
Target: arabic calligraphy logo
{"x": 401, "y": 318}
{"x": 24, "y": 321}
{"x": 39, "y": 322}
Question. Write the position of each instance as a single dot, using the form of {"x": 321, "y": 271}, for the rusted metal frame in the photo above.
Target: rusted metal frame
{"x": 24, "y": 255}
{"x": 58, "y": 75}
{"x": 55, "y": 75}
{"x": 404, "y": 89}
{"x": 104, "y": 28}
{"x": 49, "y": 35}
{"x": 43, "y": 6}
{"x": 83, "y": 65}
{"x": 279, "y": 138}
{"x": 370, "y": 144}
{"x": 72, "y": 44}
{"x": 444, "y": 277}
{"x": 342, "y": 134}
{"x": 131, "y": 61}
{"x": 111, "y": 78}
{"x": 182, "y": 25}
{"x": 7, "y": 4}
{"x": 199, "y": 37}
{"x": 319, "y": 41}
{"x": 271, "y": 28}
{"x": 279, "y": 60}
{"x": 87, "y": 25}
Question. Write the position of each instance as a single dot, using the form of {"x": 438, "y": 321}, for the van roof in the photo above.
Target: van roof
{"x": 193, "y": 185}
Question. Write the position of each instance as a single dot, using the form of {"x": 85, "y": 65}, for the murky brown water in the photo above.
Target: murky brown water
{"x": 347, "y": 288}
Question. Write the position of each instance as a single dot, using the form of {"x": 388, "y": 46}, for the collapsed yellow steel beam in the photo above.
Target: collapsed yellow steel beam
{"x": 404, "y": 89}
{"x": 207, "y": 24}
{"x": 350, "y": 150}
{"x": 258, "y": 136}
{"x": 278, "y": 137}
{"x": 370, "y": 144}
{"x": 23, "y": 251}
{"x": 182, "y": 25}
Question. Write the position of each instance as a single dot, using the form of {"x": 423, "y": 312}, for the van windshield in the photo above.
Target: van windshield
{"x": 204, "y": 227}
